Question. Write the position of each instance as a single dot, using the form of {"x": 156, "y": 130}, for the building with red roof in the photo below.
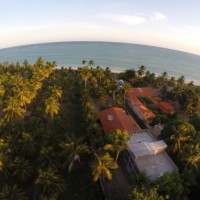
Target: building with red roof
{"x": 142, "y": 92}
{"x": 117, "y": 118}
{"x": 166, "y": 107}
{"x": 140, "y": 109}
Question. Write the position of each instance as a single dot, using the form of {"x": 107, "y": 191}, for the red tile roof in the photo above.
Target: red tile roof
{"x": 134, "y": 100}
{"x": 156, "y": 99}
{"x": 148, "y": 115}
{"x": 134, "y": 93}
{"x": 142, "y": 92}
{"x": 116, "y": 118}
{"x": 166, "y": 107}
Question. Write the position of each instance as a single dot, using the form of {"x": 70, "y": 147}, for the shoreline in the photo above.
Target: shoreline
{"x": 187, "y": 81}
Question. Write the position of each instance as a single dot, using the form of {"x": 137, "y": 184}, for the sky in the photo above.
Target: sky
{"x": 173, "y": 24}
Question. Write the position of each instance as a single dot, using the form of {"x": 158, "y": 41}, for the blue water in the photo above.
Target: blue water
{"x": 117, "y": 56}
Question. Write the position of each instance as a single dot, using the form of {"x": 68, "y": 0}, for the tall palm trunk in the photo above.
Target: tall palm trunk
{"x": 113, "y": 95}
{"x": 75, "y": 159}
{"x": 85, "y": 83}
{"x": 117, "y": 156}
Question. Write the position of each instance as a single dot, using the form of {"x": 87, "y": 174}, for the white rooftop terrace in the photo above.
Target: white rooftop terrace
{"x": 149, "y": 155}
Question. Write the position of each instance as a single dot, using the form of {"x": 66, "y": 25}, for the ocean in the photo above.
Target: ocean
{"x": 117, "y": 56}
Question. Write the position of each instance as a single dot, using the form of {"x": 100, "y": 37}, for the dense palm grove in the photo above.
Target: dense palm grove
{"x": 52, "y": 146}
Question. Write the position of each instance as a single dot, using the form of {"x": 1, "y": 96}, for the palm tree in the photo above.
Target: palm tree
{"x": 100, "y": 74}
{"x": 74, "y": 147}
{"x": 141, "y": 70}
{"x": 5, "y": 64}
{"x": 181, "y": 134}
{"x": 126, "y": 86}
{"x": 172, "y": 82}
{"x": 118, "y": 140}
{"x": 129, "y": 74}
{"x": 6, "y": 166}
{"x": 25, "y": 63}
{"x": 177, "y": 93}
{"x": 27, "y": 144}
{"x": 191, "y": 84}
{"x": 22, "y": 169}
{"x": 181, "y": 80}
{"x": 152, "y": 78}
{"x": 146, "y": 193}
{"x": 57, "y": 92}
{"x": 4, "y": 149}
{"x": 48, "y": 158}
{"x": 191, "y": 109}
{"x": 85, "y": 75}
{"x": 36, "y": 85}
{"x": 9, "y": 192}
{"x": 108, "y": 72}
{"x": 106, "y": 83}
{"x": 102, "y": 167}
{"x": 193, "y": 157}
{"x": 51, "y": 106}
{"x": 164, "y": 75}
{"x": 102, "y": 95}
{"x": 36, "y": 125}
{"x": 5, "y": 159}
{"x": 94, "y": 81}
{"x": 193, "y": 105}
{"x": 113, "y": 89}
{"x": 91, "y": 63}
{"x": 45, "y": 197}
{"x": 13, "y": 142}
{"x": 49, "y": 183}
{"x": 2, "y": 91}
{"x": 24, "y": 96}
{"x": 39, "y": 62}
{"x": 13, "y": 110}
{"x": 83, "y": 62}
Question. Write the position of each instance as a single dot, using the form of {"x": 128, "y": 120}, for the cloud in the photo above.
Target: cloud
{"x": 127, "y": 19}
{"x": 157, "y": 16}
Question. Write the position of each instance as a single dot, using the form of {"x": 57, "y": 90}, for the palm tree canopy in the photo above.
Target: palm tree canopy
{"x": 49, "y": 182}
{"x": 102, "y": 166}
{"x": 182, "y": 133}
{"x": 13, "y": 110}
{"x": 74, "y": 147}
{"x": 8, "y": 192}
{"x": 117, "y": 141}
{"x": 91, "y": 63}
{"x": 22, "y": 169}
{"x": 192, "y": 158}
{"x": 51, "y": 106}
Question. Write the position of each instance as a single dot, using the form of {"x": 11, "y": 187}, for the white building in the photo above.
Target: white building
{"x": 145, "y": 154}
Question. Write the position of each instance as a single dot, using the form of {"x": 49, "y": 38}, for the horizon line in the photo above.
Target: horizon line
{"x": 93, "y": 41}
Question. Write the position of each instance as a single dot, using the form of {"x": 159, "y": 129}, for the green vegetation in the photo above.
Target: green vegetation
{"x": 150, "y": 105}
{"x": 181, "y": 132}
{"x": 102, "y": 167}
{"x": 51, "y": 142}
{"x": 117, "y": 142}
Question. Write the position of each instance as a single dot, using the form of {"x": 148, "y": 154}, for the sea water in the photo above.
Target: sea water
{"x": 116, "y": 56}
